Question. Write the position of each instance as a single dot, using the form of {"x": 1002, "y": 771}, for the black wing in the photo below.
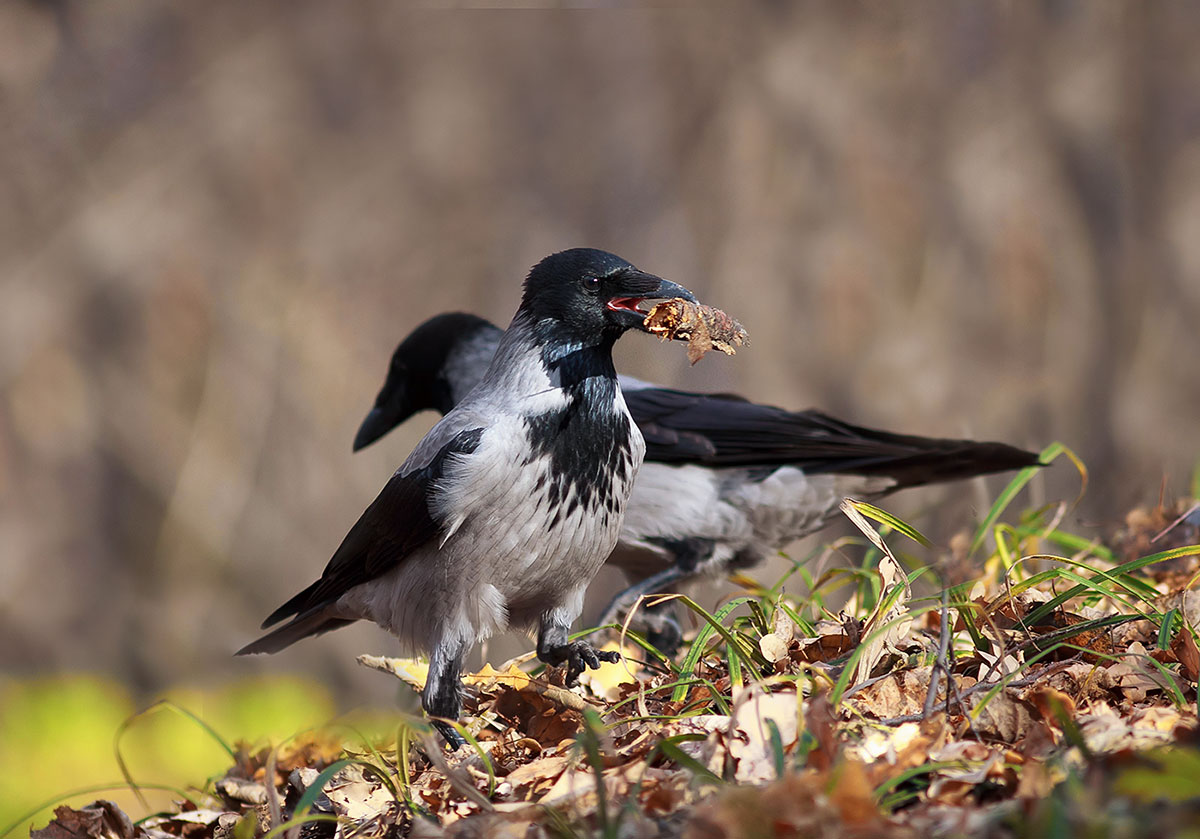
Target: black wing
{"x": 396, "y": 524}
{"x": 721, "y": 430}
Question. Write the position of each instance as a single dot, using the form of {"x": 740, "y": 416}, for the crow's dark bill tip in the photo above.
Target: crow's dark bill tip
{"x": 374, "y": 426}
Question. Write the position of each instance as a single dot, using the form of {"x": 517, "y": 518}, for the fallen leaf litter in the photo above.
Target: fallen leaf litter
{"x": 734, "y": 755}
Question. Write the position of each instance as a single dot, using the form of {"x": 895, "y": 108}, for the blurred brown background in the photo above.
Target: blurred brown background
{"x": 216, "y": 220}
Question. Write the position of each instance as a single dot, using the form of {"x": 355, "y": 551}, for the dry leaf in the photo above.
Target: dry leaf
{"x": 1184, "y": 647}
{"x": 537, "y": 776}
{"x": 1098, "y": 640}
{"x": 98, "y": 820}
{"x": 1004, "y": 718}
{"x": 897, "y": 695}
{"x": 1055, "y": 707}
{"x": 753, "y": 750}
{"x": 1106, "y": 731}
{"x": 890, "y": 744}
{"x": 1134, "y": 677}
{"x": 411, "y": 671}
{"x": 1038, "y": 779}
{"x": 953, "y": 785}
{"x": 838, "y": 802}
{"x": 823, "y": 647}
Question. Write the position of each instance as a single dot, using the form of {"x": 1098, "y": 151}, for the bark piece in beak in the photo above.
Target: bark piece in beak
{"x": 651, "y": 290}
{"x": 703, "y": 327}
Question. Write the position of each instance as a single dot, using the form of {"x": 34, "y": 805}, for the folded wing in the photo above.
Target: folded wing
{"x": 721, "y": 430}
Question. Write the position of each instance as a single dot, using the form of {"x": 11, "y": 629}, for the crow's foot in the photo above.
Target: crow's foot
{"x": 662, "y": 631}
{"x": 579, "y": 656}
{"x": 454, "y": 740}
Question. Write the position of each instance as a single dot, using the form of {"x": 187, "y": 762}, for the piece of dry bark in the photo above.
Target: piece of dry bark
{"x": 703, "y": 327}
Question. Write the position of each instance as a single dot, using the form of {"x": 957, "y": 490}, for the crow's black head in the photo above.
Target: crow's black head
{"x": 588, "y": 296}
{"x": 416, "y": 379}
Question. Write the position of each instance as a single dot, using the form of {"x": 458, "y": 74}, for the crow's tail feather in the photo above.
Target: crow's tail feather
{"x": 302, "y": 626}
{"x": 949, "y": 460}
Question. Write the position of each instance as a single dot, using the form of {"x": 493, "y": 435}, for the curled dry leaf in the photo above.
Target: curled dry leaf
{"x": 1188, "y": 655}
{"x": 774, "y": 645}
{"x": 703, "y": 327}
{"x": 98, "y": 820}
{"x": 1056, "y": 708}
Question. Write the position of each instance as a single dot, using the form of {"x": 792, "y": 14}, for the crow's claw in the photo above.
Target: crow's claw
{"x": 581, "y": 655}
{"x": 454, "y": 740}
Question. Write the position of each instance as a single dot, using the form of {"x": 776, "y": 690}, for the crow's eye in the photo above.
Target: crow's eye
{"x": 590, "y": 284}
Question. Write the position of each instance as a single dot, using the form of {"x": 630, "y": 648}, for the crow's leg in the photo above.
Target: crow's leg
{"x": 442, "y": 696}
{"x": 657, "y": 622}
{"x": 554, "y": 648}
{"x": 625, "y": 599}
{"x": 691, "y": 557}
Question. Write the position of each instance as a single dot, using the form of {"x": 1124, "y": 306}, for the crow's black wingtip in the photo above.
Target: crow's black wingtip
{"x": 1022, "y": 458}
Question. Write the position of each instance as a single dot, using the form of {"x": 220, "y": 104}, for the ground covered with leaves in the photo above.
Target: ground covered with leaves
{"x": 1052, "y": 692}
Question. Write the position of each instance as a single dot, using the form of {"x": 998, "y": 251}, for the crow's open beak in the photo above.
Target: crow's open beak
{"x": 647, "y": 291}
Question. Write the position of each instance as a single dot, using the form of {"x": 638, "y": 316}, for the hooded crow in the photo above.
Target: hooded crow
{"x": 726, "y": 481}
{"x": 503, "y": 513}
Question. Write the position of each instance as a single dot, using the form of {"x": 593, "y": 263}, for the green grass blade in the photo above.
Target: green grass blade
{"x": 777, "y": 754}
{"x": 735, "y": 667}
{"x": 672, "y": 752}
{"x": 160, "y": 705}
{"x": 318, "y": 786}
{"x": 713, "y": 625}
{"x": 1167, "y": 628}
{"x": 588, "y": 741}
{"x": 1125, "y": 568}
{"x": 1047, "y": 455}
{"x": 889, "y": 799}
{"x": 897, "y": 524}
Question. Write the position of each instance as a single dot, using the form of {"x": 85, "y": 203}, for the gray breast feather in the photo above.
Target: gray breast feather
{"x": 538, "y": 557}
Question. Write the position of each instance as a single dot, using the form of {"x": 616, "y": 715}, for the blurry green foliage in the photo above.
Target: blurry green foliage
{"x": 57, "y": 735}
